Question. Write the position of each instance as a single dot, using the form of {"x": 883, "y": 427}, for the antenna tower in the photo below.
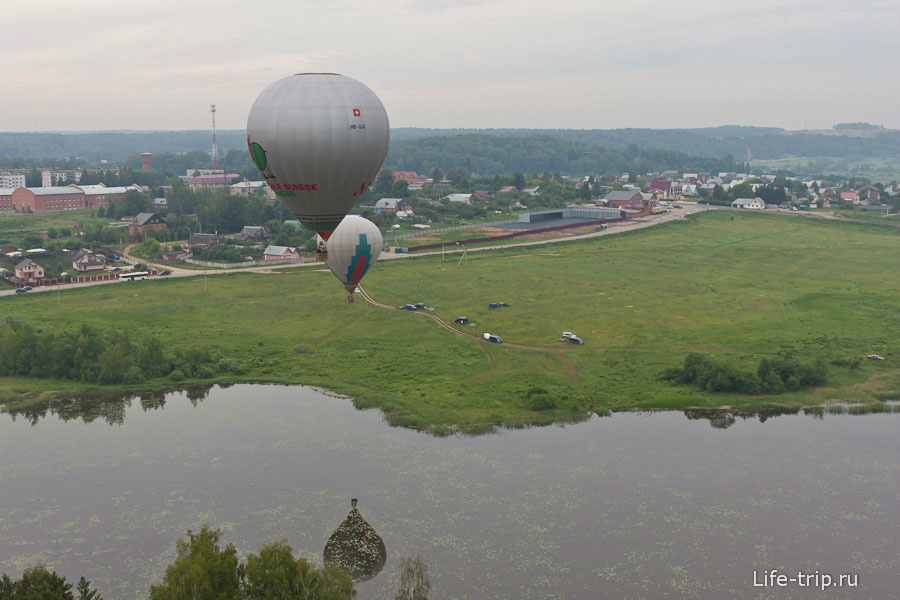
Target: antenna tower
{"x": 215, "y": 148}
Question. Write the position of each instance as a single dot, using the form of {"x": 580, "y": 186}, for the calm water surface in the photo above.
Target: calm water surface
{"x": 629, "y": 506}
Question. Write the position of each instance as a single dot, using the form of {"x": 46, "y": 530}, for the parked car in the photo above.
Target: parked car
{"x": 875, "y": 357}
{"x": 419, "y": 306}
{"x": 498, "y": 304}
{"x": 494, "y": 339}
{"x": 21, "y": 290}
{"x": 568, "y": 334}
{"x": 576, "y": 340}
{"x": 116, "y": 269}
{"x": 462, "y": 320}
{"x": 27, "y": 288}
{"x": 166, "y": 272}
{"x": 409, "y": 307}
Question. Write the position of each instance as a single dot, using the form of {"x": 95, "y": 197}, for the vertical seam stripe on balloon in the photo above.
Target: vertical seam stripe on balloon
{"x": 359, "y": 264}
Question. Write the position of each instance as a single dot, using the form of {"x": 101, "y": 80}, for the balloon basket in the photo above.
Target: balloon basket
{"x": 351, "y": 288}
{"x": 321, "y": 256}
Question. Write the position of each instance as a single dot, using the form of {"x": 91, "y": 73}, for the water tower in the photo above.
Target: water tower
{"x": 146, "y": 157}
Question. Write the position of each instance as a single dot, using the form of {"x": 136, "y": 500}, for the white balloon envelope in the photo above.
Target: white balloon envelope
{"x": 352, "y": 249}
{"x": 319, "y": 140}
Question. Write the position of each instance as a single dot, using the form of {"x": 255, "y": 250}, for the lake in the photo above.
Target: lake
{"x": 634, "y": 505}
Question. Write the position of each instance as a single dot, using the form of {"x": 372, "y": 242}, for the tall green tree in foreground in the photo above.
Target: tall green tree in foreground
{"x": 275, "y": 573}
{"x": 38, "y": 583}
{"x": 202, "y": 571}
{"x": 205, "y": 571}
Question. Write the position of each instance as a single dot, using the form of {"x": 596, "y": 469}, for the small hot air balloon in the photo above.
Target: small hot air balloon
{"x": 352, "y": 249}
{"x": 318, "y": 139}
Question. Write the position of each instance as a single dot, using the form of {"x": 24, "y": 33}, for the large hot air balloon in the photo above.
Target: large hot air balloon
{"x": 318, "y": 139}
{"x": 353, "y": 247}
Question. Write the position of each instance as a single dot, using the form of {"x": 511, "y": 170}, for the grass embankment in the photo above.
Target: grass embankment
{"x": 741, "y": 289}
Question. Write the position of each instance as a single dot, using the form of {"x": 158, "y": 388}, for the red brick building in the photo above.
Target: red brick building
{"x": 47, "y": 199}
{"x": 6, "y": 199}
{"x": 100, "y": 195}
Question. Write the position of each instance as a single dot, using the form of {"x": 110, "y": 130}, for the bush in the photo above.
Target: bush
{"x": 772, "y": 376}
{"x": 176, "y": 375}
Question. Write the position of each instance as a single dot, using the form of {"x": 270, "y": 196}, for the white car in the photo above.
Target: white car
{"x": 568, "y": 334}
{"x": 874, "y": 357}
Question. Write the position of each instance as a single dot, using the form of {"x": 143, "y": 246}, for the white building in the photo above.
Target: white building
{"x": 12, "y": 180}
{"x": 756, "y": 203}
{"x": 54, "y": 178}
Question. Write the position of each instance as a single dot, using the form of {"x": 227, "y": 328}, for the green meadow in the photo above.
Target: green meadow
{"x": 736, "y": 286}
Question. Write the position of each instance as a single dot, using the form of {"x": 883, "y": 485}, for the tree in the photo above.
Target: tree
{"x": 384, "y": 183}
{"x": 37, "y": 583}
{"x": 519, "y": 180}
{"x": 275, "y": 573}
{"x": 85, "y": 591}
{"x": 414, "y": 583}
{"x": 437, "y": 175}
{"x": 202, "y": 570}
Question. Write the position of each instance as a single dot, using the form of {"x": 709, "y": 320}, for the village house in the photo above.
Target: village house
{"x": 85, "y": 261}
{"x": 663, "y": 186}
{"x": 202, "y": 240}
{"x": 280, "y": 253}
{"x": 252, "y": 233}
{"x": 851, "y": 195}
{"x": 623, "y": 199}
{"x": 755, "y": 203}
{"x": 391, "y": 205}
{"x": 466, "y": 198}
{"x": 142, "y": 222}
{"x": 507, "y": 189}
{"x": 532, "y": 191}
{"x": 29, "y": 271}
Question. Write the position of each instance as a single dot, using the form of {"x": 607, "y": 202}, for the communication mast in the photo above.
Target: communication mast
{"x": 215, "y": 148}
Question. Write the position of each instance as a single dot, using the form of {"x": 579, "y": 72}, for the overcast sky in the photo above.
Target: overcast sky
{"x": 112, "y": 64}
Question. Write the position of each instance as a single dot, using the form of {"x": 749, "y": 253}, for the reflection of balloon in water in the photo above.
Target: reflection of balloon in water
{"x": 318, "y": 139}
{"x": 356, "y": 548}
{"x": 353, "y": 247}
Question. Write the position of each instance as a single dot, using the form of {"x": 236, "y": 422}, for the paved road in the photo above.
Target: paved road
{"x": 690, "y": 208}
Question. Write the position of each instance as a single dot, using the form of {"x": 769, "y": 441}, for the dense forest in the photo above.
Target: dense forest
{"x": 714, "y": 142}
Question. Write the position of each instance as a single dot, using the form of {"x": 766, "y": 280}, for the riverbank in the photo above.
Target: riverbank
{"x": 736, "y": 285}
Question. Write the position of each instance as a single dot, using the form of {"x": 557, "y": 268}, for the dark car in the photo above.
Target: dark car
{"x": 462, "y": 320}
{"x": 419, "y": 306}
{"x": 27, "y": 288}
{"x": 409, "y": 307}
{"x": 21, "y": 290}
{"x": 502, "y": 304}
{"x": 575, "y": 340}
{"x": 166, "y": 272}
{"x": 116, "y": 269}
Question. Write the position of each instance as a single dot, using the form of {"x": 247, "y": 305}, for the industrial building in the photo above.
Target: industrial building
{"x": 47, "y": 199}
{"x": 587, "y": 213}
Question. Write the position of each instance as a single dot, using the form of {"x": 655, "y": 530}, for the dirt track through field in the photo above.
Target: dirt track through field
{"x": 567, "y": 364}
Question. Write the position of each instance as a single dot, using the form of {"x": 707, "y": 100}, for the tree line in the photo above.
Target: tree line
{"x": 205, "y": 570}
{"x": 93, "y": 356}
{"x": 772, "y": 375}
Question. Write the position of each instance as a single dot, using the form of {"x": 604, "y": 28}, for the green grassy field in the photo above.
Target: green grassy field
{"x": 15, "y": 226}
{"x": 737, "y": 286}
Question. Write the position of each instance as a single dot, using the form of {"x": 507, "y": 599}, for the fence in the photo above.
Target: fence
{"x": 507, "y": 236}
{"x": 67, "y": 280}
{"x": 246, "y": 263}
{"x": 412, "y": 234}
